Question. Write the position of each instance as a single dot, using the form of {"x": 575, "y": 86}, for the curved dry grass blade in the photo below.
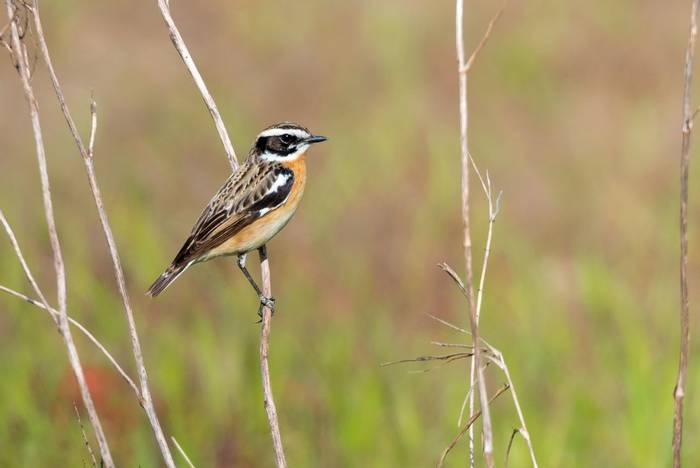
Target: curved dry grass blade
{"x": 448, "y": 324}
{"x": 477, "y": 368}
{"x": 182, "y": 452}
{"x": 446, "y": 357}
{"x": 146, "y": 401}
{"x": 471, "y": 421}
{"x": 181, "y": 48}
{"x": 515, "y": 432}
{"x": 19, "y": 51}
{"x": 83, "y": 330}
{"x": 85, "y": 439}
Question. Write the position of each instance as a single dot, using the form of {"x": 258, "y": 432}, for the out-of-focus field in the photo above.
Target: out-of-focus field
{"x": 574, "y": 110}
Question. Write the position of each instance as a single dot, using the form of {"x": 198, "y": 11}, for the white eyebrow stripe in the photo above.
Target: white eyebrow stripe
{"x": 281, "y": 131}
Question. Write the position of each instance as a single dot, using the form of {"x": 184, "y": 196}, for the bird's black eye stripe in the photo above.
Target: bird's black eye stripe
{"x": 277, "y": 144}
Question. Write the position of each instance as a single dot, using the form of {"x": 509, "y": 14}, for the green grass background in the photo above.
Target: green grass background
{"x": 574, "y": 111}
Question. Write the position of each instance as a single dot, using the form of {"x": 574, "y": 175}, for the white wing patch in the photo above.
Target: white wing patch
{"x": 279, "y": 182}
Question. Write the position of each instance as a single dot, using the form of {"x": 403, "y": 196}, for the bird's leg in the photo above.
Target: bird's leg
{"x": 264, "y": 300}
{"x": 269, "y": 301}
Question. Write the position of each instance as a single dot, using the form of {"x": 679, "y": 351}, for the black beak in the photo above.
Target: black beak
{"x": 315, "y": 139}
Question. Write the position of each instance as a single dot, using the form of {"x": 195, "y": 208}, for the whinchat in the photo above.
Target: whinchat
{"x": 254, "y": 204}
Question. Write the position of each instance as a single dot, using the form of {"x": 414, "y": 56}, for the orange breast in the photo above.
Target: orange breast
{"x": 262, "y": 230}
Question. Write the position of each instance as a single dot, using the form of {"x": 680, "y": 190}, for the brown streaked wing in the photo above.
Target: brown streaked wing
{"x": 235, "y": 206}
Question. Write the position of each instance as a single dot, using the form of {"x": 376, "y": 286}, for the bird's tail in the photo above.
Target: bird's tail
{"x": 166, "y": 278}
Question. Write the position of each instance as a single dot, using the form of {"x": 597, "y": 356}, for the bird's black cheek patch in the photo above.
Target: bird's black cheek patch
{"x": 261, "y": 144}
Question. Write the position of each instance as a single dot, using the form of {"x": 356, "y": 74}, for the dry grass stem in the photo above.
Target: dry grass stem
{"x": 87, "y": 155}
{"x": 494, "y": 208}
{"x": 19, "y": 52}
{"x": 182, "y": 452}
{"x": 484, "y": 40}
{"x": 442, "y": 359}
{"x": 451, "y": 345}
{"x": 445, "y": 357}
{"x": 469, "y": 390}
{"x": 469, "y": 424}
{"x": 184, "y": 52}
{"x": 85, "y": 439}
{"x": 679, "y": 390}
{"x": 464, "y": 148}
{"x": 270, "y": 408}
{"x": 463, "y": 67}
{"x": 23, "y": 263}
{"x": 515, "y": 432}
{"x": 496, "y": 357}
{"x": 269, "y": 401}
{"x": 448, "y": 324}
{"x": 54, "y": 315}
{"x": 480, "y": 378}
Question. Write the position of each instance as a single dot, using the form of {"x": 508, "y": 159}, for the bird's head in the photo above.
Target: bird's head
{"x": 283, "y": 142}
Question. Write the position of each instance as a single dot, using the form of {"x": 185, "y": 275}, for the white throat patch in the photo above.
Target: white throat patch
{"x": 273, "y": 157}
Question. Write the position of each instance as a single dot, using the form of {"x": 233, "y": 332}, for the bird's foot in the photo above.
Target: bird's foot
{"x": 268, "y": 302}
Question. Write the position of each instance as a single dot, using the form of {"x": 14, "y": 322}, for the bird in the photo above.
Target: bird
{"x": 251, "y": 207}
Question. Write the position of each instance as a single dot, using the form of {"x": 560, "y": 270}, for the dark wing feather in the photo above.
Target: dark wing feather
{"x": 252, "y": 192}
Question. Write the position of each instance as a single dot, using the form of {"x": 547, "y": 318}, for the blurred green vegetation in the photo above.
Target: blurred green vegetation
{"x": 575, "y": 112}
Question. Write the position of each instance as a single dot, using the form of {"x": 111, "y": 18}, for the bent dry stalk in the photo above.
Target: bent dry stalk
{"x": 679, "y": 390}
{"x": 19, "y": 53}
{"x": 145, "y": 399}
{"x": 186, "y": 57}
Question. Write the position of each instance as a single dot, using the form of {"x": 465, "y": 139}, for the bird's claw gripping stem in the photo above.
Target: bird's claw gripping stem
{"x": 268, "y": 302}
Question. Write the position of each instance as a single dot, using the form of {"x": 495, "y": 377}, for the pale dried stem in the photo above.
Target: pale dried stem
{"x": 494, "y": 207}
{"x": 448, "y": 324}
{"x": 463, "y": 67}
{"x": 484, "y": 39}
{"x": 463, "y": 408}
{"x": 480, "y": 378}
{"x": 85, "y": 439}
{"x": 464, "y": 148}
{"x": 269, "y": 401}
{"x": 182, "y": 452}
{"x": 54, "y": 315}
{"x": 25, "y": 266}
{"x": 181, "y": 48}
{"x": 270, "y": 408}
{"x": 497, "y": 358}
{"x": 445, "y": 357}
{"x": 469, "y": 423}
{"x": 146, "y": 400}
{"x": 63, "y": 324}
{"x": 451, "y": 345}
{"x": 679, "y": 390}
